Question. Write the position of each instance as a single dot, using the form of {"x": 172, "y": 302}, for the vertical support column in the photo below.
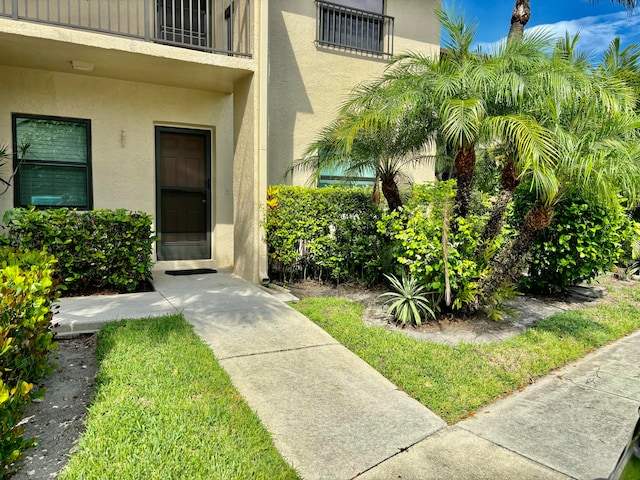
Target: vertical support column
{"x": 147, "y": 20}
{"x": 14, "y": 9}
{"x": 261, "y": 36}
{"x": 250, "y": 158}
{"x": 247, "y": 30}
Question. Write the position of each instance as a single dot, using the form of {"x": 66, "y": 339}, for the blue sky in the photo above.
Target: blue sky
{"x": 598, "y": 23}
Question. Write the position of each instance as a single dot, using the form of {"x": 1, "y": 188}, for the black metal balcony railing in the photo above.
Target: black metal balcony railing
{"x": 353, "y": 29}
{"x": 216, "y": 26}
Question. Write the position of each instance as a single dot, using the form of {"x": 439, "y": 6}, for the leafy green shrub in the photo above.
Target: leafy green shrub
{"x": 27, "y": 293}
{"x": 326, "y": 233}
{"x": 12, "y": 402}
{"x": 583, "y": 241}
{"x": 96, "y": 249}
{"x": 415, "y": 237}
{"x": 629, "y": 263}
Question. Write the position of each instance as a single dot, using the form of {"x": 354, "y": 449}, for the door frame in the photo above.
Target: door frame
{"x": 207, "y": 135}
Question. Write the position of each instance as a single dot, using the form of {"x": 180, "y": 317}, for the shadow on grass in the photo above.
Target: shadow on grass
{"x": 578, "y": 325}
{"x": 155, "y": 330}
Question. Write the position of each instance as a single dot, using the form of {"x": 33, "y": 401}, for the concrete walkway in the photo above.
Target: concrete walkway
{"x": 334, "y": 417}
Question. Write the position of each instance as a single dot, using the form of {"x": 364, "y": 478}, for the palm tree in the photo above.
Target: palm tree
{"x": 483, "y": 105}
{"x": 460, "y": 99}
{"x": 522, "y": 13}
{"x": 598, "y": 144}
{"x": 560, "y": 77}
{"x": 519, "y": 18}
{"x": 360, "y": 140}
{"x": 601, "y": 165}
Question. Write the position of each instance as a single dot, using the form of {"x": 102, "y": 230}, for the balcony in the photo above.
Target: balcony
{"x": 214, "y": 26}
{"x": 359, "y": 31}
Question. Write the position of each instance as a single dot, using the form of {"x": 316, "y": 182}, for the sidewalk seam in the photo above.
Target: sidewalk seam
{"x": 169, "y": 302}
{"x": 400, "y": 450}
{"x": 516, "y": 453}
{"x": 280, "y": 351}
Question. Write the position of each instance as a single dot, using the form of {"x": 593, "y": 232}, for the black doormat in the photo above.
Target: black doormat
{"x": 191, "y": 271}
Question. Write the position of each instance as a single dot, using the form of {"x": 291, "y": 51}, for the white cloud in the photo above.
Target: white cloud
{"x": 596, "y": 32}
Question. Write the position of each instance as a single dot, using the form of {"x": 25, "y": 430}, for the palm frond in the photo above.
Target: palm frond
{"x": 462, "y": 120}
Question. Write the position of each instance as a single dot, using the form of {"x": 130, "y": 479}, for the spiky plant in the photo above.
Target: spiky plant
{"x": 409, "y": 303}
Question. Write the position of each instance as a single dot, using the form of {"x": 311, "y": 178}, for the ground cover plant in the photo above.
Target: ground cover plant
{"x": 164, "y": 408}
{"x": 455, "y": 381}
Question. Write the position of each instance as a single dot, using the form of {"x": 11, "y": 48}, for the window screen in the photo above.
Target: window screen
{"x": 53, "y": 158}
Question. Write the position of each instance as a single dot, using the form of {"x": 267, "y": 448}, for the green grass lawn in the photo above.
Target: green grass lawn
{"x": 165, "y": 409}
{"x": 454, "y": 381}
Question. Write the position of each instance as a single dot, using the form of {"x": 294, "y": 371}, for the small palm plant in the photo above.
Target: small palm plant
{"x": 408, "y": 304}
{"x": 632, "y": 266}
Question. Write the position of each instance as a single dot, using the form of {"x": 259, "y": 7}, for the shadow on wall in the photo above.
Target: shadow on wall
{"x": 287, "y": 94}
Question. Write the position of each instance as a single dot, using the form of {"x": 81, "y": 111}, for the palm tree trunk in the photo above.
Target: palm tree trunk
{"x": 519, "y": 18}
{"x": 391, "y": 192}
{"x": 510, "y": 182}
{"x": 465, "y": 162}
{"x": 522, "y": 13}
{"x": 494, "y": 224}
{"x": 375, "y": 194}
{"x": 505, "y": 266}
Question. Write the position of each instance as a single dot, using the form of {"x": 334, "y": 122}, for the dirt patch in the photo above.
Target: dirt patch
{"x": 452, "y": 329}
{"x": 58, "y": 420}
{"x": 145, "y": 286}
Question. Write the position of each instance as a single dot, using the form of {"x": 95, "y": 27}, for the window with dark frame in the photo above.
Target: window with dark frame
{"x": 52, "y": 156}
{"x": 358, "y": 25}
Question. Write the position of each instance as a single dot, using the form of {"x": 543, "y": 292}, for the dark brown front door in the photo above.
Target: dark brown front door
{"x": 183, "y": 160}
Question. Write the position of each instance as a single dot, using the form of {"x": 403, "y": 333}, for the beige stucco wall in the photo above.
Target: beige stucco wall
{"x": 307, "y": 84}
{"x": 250, "y": 164}
{"x": 123, "y": 115}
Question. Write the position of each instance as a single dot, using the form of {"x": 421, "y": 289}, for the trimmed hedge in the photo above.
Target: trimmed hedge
{"x": 27, "y": 294}
{"x": 327, "y": 233}
{"x": 95, "y": 250}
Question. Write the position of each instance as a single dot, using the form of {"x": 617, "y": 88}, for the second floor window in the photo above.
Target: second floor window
{"x": 358, "y": 25}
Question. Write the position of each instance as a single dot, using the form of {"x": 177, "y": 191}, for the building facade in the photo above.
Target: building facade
{"x": 184, "y": 109}
{"x": 319, "y": 51}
